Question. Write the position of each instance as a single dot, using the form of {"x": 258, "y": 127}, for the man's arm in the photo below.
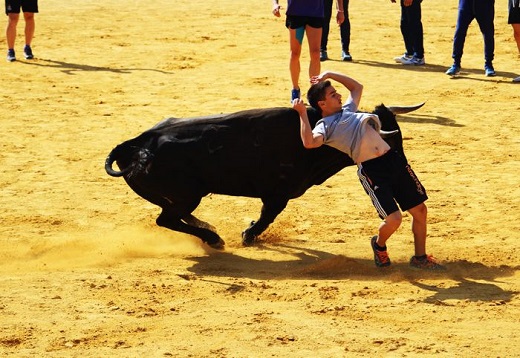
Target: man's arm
{"x": 309, "y": 139}
{"x": 355, "y": 88}
{"x": 340, "y": 16}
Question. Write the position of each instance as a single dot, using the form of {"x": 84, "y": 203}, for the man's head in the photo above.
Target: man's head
{"x": 323, "y": 97}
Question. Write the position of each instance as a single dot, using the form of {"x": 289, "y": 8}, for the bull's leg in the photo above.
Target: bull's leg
{"x": 190, "y": 226}
{"x": 270, "y": 210}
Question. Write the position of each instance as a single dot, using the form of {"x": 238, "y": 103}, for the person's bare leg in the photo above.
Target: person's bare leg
{"x": 314, "y": 39}
{"x": 388, "y": 227}
{"x": 29, "y": 27}
{"x": 419, "y": 228}
{"x": 10, "y": 31}
{"x": 294, "y": 62}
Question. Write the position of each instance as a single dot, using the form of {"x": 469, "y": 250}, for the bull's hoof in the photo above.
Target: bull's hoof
{"x": 248, "y": 239}
{"x": 219, "y": 245}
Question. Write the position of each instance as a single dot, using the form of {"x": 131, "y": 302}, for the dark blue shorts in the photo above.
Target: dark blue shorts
{"x": 295, "y": 22}
{"x": 514, "y": 15}
{"x": 14, "y": 6}
{"x": 389, "y": 179}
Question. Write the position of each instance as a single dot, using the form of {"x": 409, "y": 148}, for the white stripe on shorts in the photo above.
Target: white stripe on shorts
{"x": 370, "y": 192}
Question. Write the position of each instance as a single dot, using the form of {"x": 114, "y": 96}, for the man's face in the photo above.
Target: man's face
{"x": 332, "y": 102}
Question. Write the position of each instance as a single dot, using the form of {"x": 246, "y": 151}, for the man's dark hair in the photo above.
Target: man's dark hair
{"x": 317, "y": 93}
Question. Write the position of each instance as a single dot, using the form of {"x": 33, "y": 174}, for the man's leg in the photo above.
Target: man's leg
{"x": 415, "y": 28}
{"x": 485, "y": 15}
{"x": 516, "y": 34}
{"x": 294, "y": 62}
{"x": 10, "y": 32}
{"x": 345, "y": 29}
{"x": 389, "y": 225}
{"x": 464, "y": 18}
{"x": 29, "y": 27}
{"x": 326, "y": 25}
{"x": 314, "y": 39}
{"x": 419, "y": 218}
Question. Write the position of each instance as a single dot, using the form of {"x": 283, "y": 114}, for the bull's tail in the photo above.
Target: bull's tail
{"x": 130, "y": 158}
{"x": 112, "y": 157}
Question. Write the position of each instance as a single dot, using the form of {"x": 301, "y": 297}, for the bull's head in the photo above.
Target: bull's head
{"x": 390, "y": 130}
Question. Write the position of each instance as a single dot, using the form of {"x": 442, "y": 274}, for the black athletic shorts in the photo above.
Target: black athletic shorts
{"x": 389, "y": 179}
{"x": 514, "y": 15}
{"x": 295, "y": 22}
{"x": 14, "y": 6}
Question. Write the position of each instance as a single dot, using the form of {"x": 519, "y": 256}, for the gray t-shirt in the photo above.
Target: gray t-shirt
{"x": 343, "y": 130}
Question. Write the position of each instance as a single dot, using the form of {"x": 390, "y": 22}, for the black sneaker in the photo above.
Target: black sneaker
{"x": 27, "y": 52}
{"x": 345, "y": 56}
{"x": 323, "y": 56}
{"x": 380, "y": 257}
{"x": 10, "y": 55}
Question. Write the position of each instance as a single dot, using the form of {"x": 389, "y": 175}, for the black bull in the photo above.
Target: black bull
{"x": 255, "y": 153}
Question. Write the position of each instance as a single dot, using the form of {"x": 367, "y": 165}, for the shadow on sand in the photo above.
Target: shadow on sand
{"x": 301, "y": 263}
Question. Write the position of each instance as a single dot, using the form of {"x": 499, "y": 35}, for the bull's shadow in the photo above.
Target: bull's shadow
{"x": 424, "y": 118}
{"x": 301, "y": 263}
{"x": 70, "y": 68}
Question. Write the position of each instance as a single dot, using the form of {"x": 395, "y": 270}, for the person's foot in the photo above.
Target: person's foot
{"x": 414, "y": 61}
{"x": 381, "y": 258}
{"x": 516, "y": 79}
{"x": 27, "y": 52}
{"x": 489, "y": 70}
{"x": 345, "y": 56}
{"x": 426, "y": 262}
{"x": 401, "y": 59}
{"x": 453, "y": 70}
{"x": 323, "y": 56}
{"x": 295, "y": 93}
{"x": 11, "y": 55}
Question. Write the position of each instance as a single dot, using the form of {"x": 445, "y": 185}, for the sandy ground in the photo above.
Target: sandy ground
{"x": 85, "y": 272}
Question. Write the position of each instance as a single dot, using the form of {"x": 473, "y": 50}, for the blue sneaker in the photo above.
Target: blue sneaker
{"x": 453, "y": 70}
{"x": 489, "y": 70}
{"x": 27, "y": 52}
{"x": 295, "y": 93}
{"x": 10, "y": 55}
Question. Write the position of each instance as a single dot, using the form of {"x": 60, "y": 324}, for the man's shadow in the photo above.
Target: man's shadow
{"x": 300, "y": 263}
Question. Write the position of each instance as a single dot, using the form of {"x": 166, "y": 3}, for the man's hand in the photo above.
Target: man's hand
{"x": 299, "y": 106}
{"x": 276, "y": 10}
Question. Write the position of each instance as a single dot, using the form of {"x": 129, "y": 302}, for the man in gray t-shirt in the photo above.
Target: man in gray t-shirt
{"x": 384, "y": 173}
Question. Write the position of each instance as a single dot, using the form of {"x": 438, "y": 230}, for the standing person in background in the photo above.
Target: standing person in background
{"x": 303, "y": 17}
{"x": 412, "y": 31}
{"x": 12, "y": 10}
{"x": 514, "y": 20}
{"x": 484, "y": 12}
{"x": 343, "y": 21}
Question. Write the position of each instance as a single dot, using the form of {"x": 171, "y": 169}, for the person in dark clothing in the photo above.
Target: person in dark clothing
{"x": 344, "y": 27}
{"x": 412, "y": 31}
{"x": 484, "y": 12}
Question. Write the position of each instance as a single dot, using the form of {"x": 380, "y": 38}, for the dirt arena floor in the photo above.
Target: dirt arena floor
{"x": 85, "y": 272}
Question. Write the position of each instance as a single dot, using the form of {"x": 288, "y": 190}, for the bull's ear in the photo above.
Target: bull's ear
{"x": 405, "y": 109}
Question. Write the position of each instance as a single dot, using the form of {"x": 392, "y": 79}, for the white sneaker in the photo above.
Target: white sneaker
{"x": 516, "y": 79}
{"x": 414, "y": 61}
{"x": 401, "y": 59}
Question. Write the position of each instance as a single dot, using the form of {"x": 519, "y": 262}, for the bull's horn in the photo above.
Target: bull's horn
{"x": 402, "y": 109}
{"x": 386, "y": 134}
